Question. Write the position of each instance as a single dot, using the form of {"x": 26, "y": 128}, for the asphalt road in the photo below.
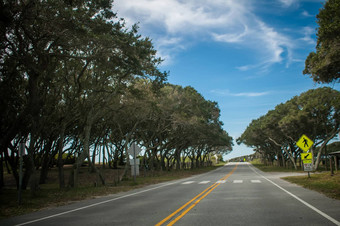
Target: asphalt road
{"x": 236, "y": 194}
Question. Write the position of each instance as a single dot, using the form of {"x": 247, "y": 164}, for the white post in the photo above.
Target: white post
{"x": 134, "y": 162}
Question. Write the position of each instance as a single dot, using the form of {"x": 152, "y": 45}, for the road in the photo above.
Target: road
{"x": 236, "y": 194}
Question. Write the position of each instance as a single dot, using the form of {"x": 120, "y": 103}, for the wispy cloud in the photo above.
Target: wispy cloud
{"x": 182, "y": 22}
{"x": 308, "y": 32}
{"x": 242, "y": 94}
{"x": 306, "y": 14}
{"x": 250, "y": 94}
{"x": 231, "y": 37}
{"x": 175, "y": 25}
{"x": 286, "y": 3}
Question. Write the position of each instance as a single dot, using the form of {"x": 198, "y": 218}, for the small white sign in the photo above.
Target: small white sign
{"x": 133, "y": 170}
{"x": 308, "y": 167}
{"x": 132, "y": 162}
{"x": 134, "y": 150}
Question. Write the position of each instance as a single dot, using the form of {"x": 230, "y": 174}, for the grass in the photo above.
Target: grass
{"x": 268, "y": 168}
{"x": 49, "y": 194}
{"x": 321, "y": 182}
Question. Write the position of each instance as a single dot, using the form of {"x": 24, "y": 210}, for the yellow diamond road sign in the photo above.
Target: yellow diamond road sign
{"x": 306, "y": 157}
{"x": 305, "y": 143}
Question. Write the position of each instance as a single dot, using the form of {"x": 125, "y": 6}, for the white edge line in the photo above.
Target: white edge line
{"x": 95, "y": 204}
{"x": 302, "y": 201}
{"x": 106, "y": 201}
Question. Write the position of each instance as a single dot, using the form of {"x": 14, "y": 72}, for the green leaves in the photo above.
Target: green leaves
{"x": 324, "y": 64}
{"x": 314, "y": 113}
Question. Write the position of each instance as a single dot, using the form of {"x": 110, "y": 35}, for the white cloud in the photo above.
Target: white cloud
{"x": 242, "y": 94}
{"x": 287, "y": 3}
{"x": 176, "y": 24}
{"x": 231, "y": 37}
{"x": 249, "y": 94}
{"x": 270, "y": 44}
{"x": 176, "y": 16}
{"x": 306, "y": 14}
{"x": 308, "y": 32}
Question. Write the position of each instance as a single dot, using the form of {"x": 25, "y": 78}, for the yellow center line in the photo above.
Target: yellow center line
{"x": 190, "y": 207}
{"x": 198, "y": 198}
{"x": 174, "y": 213}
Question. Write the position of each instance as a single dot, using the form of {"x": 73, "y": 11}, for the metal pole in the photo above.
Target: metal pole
{"x": 134, "y": 162}
{"x": 331, "y": 165}
{"x": 21, "y": 162}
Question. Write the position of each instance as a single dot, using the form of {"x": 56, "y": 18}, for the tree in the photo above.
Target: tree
{"x": 324, "y": 64}
{"x": 318, "y": 115}
{"x": 73, "y": 55}
{"x": 314, "y": 113}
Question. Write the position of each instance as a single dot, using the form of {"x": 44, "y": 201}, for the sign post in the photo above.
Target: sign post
{"x": 307, "y": 158}
{"x": 134, "y": 150}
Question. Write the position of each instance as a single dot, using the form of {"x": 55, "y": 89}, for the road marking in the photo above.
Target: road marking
{"x": 193, "y": 202}
{"x": 238, "y": 181}
{"x": 255, "y": 181}
{"x": 106, "y": 201}
{"x": 221, "y": 181}
{"x": 188, "y": 182}
{"x": 95, "y": 204}
{"x": 204, "y": 182}
{"x": 300, "y": 200}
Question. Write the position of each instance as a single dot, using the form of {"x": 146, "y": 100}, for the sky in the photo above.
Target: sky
{"x": 247, "y": 55}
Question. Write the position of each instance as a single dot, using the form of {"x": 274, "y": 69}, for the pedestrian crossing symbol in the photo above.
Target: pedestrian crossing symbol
{"x": 306, "y": 157}
{"x": 305, "y": 143}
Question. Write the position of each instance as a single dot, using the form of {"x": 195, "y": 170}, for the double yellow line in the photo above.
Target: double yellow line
{"x": 179, "y": 213}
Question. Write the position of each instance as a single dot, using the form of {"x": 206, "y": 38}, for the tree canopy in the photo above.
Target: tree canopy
{"x": 324, "y": 64}
{"x": 75, "y": 80}
{"x": 315, "y": 113}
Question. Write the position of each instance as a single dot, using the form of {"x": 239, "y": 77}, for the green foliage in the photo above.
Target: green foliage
{"x": 315, "y": 113}
{"x": 324, "y": 64}
{"x": 73, "y": 75}
{"x": 66, "y": 157}
{"x": 333, "y": 147}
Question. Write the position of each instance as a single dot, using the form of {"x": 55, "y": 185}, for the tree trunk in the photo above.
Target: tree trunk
{"x": 46, "y": 161}
{"x": 32, "y": 172}
{"x": 125, "y": 149}
{"x": 2, "y": 183}
{"x": 287, "y": 152}
{"x": 104, "y": 157}
{"x": 61, "y": 175}
{"x": 178, "y": 159}
{"x": 94, "y": 169}
{"x": 73, "y": 182}
{"x": 127, "y": 166}
{"x": 163, "y": 167}
{"x": 94, "y": 154}
{"x": 13, "y": 164}
{"x": 318, "y": 158}
{"x": 115, "y": 158}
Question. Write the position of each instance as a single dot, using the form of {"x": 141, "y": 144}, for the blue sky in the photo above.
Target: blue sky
{"x": 247, "y": 55}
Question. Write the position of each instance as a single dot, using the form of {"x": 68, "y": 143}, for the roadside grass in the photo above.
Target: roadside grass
{"x": 320, "y": 182}
{"x": 49, "y": 194}
{"x": 268, "y": 168}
